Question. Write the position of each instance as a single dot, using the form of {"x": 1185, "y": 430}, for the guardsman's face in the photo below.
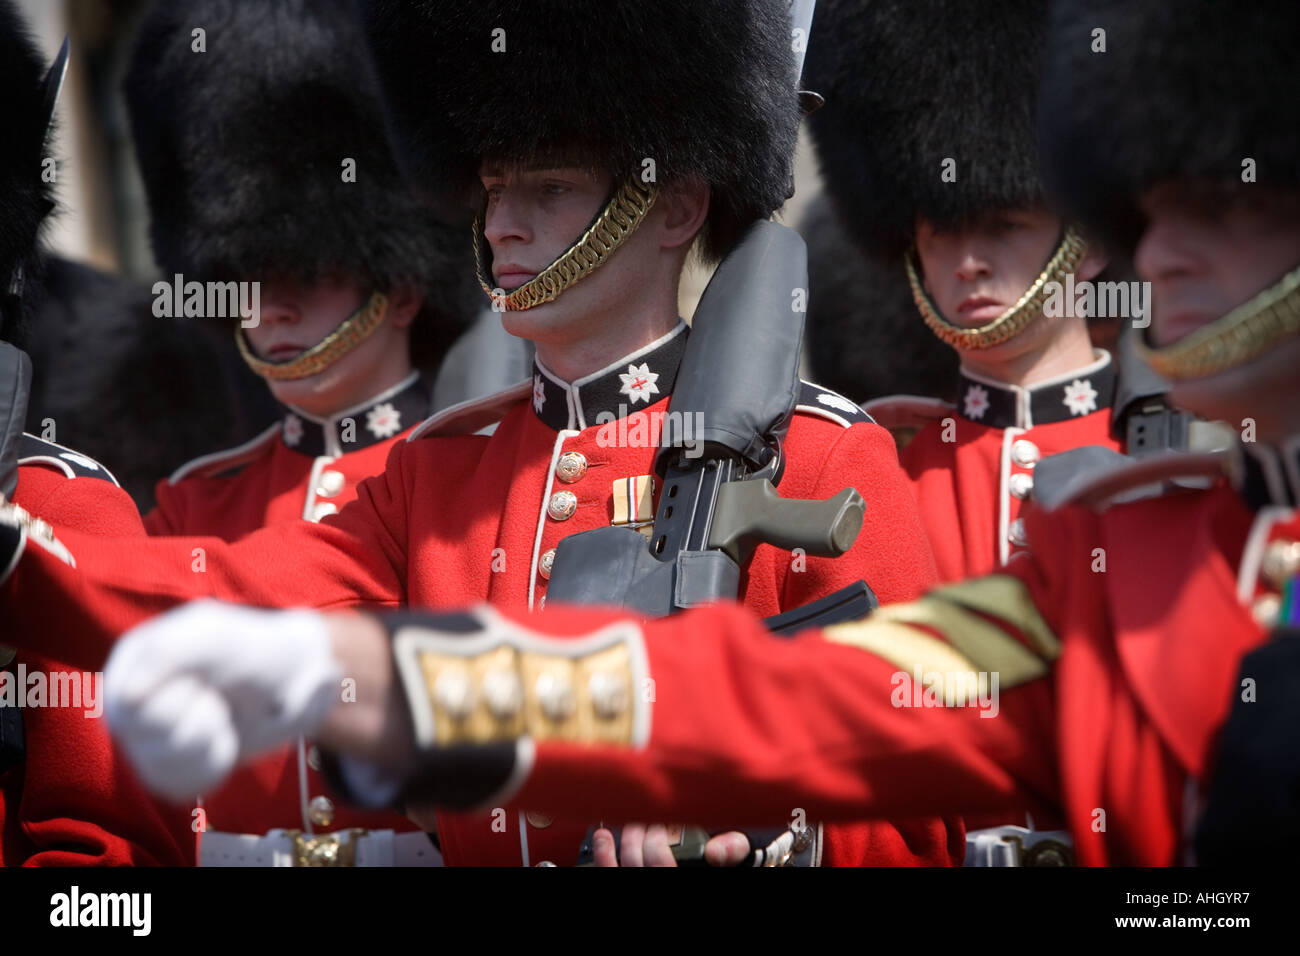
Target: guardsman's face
{"x": 1206, "y": 250}
{"x": 296, "y": 316}
{"x": 976, "y": 273}
{"x": 533, "y": 215}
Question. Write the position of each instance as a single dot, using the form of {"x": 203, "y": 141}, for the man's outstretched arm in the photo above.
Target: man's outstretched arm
{"x": 703, "y": 716}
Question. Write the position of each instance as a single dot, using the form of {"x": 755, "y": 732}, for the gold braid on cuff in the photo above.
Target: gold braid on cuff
{"x": 351, "y": 332}
{"x": 1011, "y": 322}
{"x": 622, "y": 214}
{"x": 1241, "y": 336}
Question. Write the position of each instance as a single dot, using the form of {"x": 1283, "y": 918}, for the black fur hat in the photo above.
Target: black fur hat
{"x": 1188, "y": 89}
{"x": 701, "y": 87}
{"x": 242, "y": 147}
{"x": 911, "y": 83}
{"x": 25, "y": 200}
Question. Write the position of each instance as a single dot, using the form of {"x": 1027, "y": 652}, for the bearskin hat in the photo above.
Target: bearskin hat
{"x": 864, "y": 337}
{"x": 25, "y": 200}
{"x": 700, "y": 88}
{"x": 242, "y": 133}
{"x": 1135, "y": 91}
{"x": 910, "y": 84}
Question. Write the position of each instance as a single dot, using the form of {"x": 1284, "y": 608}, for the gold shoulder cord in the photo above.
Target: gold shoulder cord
{"x": 1011, "y": 322}
{"x": 1241, "y": 336}
{"x": 351, "y": 332}
{"x": 622, "y": 214}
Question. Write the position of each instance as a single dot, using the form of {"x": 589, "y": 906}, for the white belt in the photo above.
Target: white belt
{"x": 340, "y": 848}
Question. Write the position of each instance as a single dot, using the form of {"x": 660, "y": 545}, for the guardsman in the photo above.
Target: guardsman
{"x": 67, "y": 797}
{"x": 927, "y": 147}
{"x": 587, "y": 255}
{"x": 1116, "y": 641}
{"x": 305, "y": 197}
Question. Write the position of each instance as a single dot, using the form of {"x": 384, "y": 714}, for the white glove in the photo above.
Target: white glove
{"x": 196, "y": 691}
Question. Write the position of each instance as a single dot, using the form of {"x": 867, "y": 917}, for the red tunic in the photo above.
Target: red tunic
{"x": 456, "y": 518}
{"x": 302, "y": 467}
{"x": 971, "y": 465}
{"x": 1117, "y": 638}
{"x": 73, "y": 800}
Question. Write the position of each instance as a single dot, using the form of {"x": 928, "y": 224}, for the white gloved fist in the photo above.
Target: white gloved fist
{"x": 191, "y": 694}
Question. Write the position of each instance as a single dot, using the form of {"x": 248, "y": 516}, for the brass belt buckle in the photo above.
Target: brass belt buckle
{"x": 325, "y": 849}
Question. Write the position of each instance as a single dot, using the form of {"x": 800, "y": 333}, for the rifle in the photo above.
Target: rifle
{"x": 717, "y": 507}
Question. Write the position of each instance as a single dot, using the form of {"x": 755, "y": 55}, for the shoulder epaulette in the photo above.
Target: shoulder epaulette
{"x": 908, "y": 411}
{"x": 471, "y": 417}
{"x": 824, "y": 403}
{"x": 211, "y": 465}
{"x": 73, "y": 464}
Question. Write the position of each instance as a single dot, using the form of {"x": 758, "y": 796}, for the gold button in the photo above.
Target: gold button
{"x": 454, "y": 693}
{"x": 546, "y": 562}
{"x": 1281, "y": 562}
{"x": 555, "y": 694}
{"x": 321, "y": 811}
{"x": 1024, "y": 452}
{"x": 539, "y": 820}
{"x": 330, "y": 484}
{"x": 608, "y": 694}
{"x": 503, "y": 693}
{"x": 571, "y": 466}
{"x": 562, "y": 505}
{"x": 1266, "y": 609}
{"x": 1017, "y": 533}
{"x": 322, "y": 509}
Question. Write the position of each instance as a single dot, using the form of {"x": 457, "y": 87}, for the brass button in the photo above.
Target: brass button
{"x": 1024, "y": 452}
{"x": 571, "y": 466}
{"x": 1020, "y": 485}
{"x": 330, "y": 484}
{"x": 555, "y": 694}
{"x": 1281, "y": 562}
{"x": 539, "y": 820}
{"x": 454, "y": 693}
{"x": 608, "y": 694}
{"x": 503, "y": 693}
{"x": 1016, "y": 533}
{"x": 1266, "y": 609}
{"x": 546, "y": 562}
{"x": 562, "y": 505}
{"x": 321, "y": 509}
{"x": 321, "y": 811}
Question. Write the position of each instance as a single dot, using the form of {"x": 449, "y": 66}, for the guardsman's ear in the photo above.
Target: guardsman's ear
{"x": 403, "y": 305}
{"x": 685, "y": 203}
{"x": 1093, "y": 262}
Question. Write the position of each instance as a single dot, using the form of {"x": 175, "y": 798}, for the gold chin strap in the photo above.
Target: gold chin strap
{"x": 1011, "y": 322}
{"x": 1241, "y": 336}
{"x": 351, "y": 332}
{"x": 622, "y": 214}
